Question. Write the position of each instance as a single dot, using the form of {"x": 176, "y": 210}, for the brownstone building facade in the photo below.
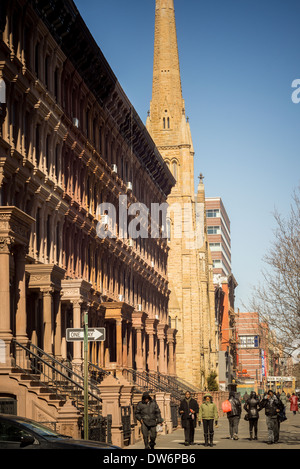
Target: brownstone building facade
{"x": 71, "y": 141}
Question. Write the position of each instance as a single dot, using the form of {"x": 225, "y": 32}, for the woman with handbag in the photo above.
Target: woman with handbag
{"x": 251, "y": 406}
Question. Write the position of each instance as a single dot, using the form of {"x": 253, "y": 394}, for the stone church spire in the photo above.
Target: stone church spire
{"x": 166, "y": 92}
{"x": 167, "y": 122}
{"x": 191, "y": 305}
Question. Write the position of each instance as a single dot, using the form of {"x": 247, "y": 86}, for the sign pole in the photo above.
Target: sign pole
{"x": 86, "y": 423}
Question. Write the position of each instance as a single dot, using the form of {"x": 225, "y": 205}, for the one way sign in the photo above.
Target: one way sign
{"x": 95, "y": 334}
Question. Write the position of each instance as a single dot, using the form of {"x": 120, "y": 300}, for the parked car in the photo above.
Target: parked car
{"x": 21, "y": 433}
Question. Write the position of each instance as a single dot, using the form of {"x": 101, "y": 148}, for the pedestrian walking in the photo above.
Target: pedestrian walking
{"x": 245, "y": 397}
{"x": 284, "y": 400}
{"x": 294, "y": 403}
{"x": 148, "y": 413}
{"x": 273, "y": 407}
{"x": 188, "y": 411}
{"x": 234, "y": 416}
{"x": 252, "y": 409}
{"x": 208, "y": 414}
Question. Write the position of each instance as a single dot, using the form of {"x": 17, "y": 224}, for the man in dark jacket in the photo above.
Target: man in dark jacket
{"x": 148, "y": 413}
{"x": 188, "y": 410}
{"x": 252, "y": 408}
{"x": 234, "y": 416}
{"x": 272, "y": 407}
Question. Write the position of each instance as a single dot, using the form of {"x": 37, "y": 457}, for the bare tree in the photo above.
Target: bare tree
{"x": 277, "y": 300}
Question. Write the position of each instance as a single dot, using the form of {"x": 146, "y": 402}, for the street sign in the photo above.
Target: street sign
{"x": 95, "y": 334}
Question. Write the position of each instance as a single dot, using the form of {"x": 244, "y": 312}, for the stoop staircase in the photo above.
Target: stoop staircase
{"x": 53, "y": 380}
{"x": 158, "y": 382}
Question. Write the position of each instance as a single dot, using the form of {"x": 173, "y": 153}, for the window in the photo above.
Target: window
{"x": 213, "y": 230}
{"x": 213, "y": 213}
{"x": 47, "y": 69}
{"x": 215, "y": 246}
{"x": 168, "y": 229}
{"x": 2, "y": 91}
{"x": 57, "y": 162}
{"x": 48, "y": 154}
{"x": 56, "y": 80}
{"x": 174, "y": 169}
{"x": 36, "y": 59}
{"x": 166, "y": 121}
{"x": 37, "y": 145}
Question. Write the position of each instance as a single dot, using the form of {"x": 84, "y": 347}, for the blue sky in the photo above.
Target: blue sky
{"x": 238, "y": 60}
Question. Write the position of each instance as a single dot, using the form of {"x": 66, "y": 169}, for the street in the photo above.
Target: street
{"x": 289, "y": 436}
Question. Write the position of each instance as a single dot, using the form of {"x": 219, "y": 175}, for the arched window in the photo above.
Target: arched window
{"x": 168, "y": 223}
{"x": 166, "y": 121}
{"x": 47, "y": 154}
{"x": 2, "y": 91}
{"x": 174, "y": 169}
{"x": 37, "y": 59}
{"x": 37, "y": 145}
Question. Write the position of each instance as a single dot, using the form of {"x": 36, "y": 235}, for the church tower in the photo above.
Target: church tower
{"x": 191, "y": 305}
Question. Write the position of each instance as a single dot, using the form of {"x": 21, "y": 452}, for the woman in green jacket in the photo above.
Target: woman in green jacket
{"x": 208, "y": 414}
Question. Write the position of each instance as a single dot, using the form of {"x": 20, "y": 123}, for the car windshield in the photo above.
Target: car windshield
{"x": 42, "y": 430}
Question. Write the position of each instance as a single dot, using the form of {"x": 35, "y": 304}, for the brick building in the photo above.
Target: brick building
{"x": 253, "y": 348}
{"x": 219, "y": 238}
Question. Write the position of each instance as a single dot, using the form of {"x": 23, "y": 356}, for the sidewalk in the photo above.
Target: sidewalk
{"x": 289, "y": 436}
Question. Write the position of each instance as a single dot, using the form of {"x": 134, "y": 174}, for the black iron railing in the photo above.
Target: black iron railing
{"x": 96, "y": 373}
{"x": 55, "y": 377}
{"x": 177, "y": 384}
{"x": 145, "y": 381}
{"x": 59, "y": 379}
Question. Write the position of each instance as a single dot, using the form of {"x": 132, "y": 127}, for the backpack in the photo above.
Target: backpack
{"x": 226, "y": 406}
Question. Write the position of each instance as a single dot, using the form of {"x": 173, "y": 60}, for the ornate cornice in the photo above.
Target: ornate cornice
{"x": 69, "y": 30}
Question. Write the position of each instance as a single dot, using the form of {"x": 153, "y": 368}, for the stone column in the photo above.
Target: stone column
{"x": 47, "y": 321}
{"x": 119, "y": 343}
{"x": 125, "y": 344}
{"x": 63, "y": 314}
{"x": 161, "y": 358}
{"x": 129, "y": 357}
{"x": 171, "y": 344}
{"x": 151, "y": 365}
{"x": 139, "y": 349}
{"x": 58, "y": 325}
{"x": 77, "y": 346}
{"x": 21, "y": 319}
{"x": 21, "y": 316}
{"x": 151, "y": 332}
{"x": 5, "y": 331}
